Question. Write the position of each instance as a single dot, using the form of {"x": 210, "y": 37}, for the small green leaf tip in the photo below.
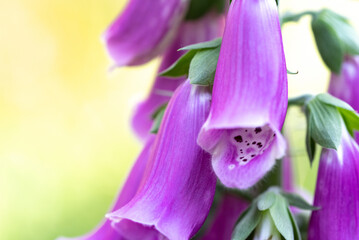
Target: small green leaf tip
{"x": 203, "y": 45}
{"x": 297, "y": 201}
{"x": 157, "y": 118}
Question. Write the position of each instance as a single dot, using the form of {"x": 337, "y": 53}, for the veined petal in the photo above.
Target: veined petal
{"x": 178, "y": 190}
{"x": 226, "y": 216}
{"x": 250, "y": 96}
{"x": 337, "y": 193}
{"x": 190, "y": 32}
{"x": 346, "y": 85}
{"x": 105, "y": 231}
{"x": 143, "y": 30}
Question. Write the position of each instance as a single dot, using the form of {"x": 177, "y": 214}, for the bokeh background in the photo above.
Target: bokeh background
{"x": 65, "y": 141}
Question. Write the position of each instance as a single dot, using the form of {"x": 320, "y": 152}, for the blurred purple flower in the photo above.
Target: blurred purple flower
{"x": 346, "y": 85}
{"x": 190, "y": 32}
{"x": 177, "y": 191}
{"x": 226, "y": 216}
{"x": 337, "y": 193}
{"x": 105, "y": 231}
{"x": 143, "y": 30}
{"x": 250, "y": 96}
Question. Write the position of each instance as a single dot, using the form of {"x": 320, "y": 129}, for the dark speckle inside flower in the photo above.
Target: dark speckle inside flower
{"x": 258, "y": 130}
{"x": 245, "y": 138}
{"x": 238, "y": 138}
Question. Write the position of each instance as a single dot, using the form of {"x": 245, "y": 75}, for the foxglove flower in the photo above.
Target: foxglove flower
{"x": 337, "y": 193}
{"x": 105, "y": 231}
{"x": 178, "y": 189}
{"x": 346, "y": 85}
{"x": 250, "y": 96}
{"x": 143, "y": 30}
{"x": 226, "y": 215}
{"x": 190, "y": 32}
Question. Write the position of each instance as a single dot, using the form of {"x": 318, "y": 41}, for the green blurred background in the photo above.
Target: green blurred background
{"x": 65, "y": 141}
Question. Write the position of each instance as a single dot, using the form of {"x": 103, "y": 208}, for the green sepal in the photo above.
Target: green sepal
{"x": 247, "y": 222}
{"x": 297, "y": 201}
{"x": 335, "y": 38}
{"x": 324, "y": 124}
{"x": 349, "y": 115}
{"x": 281, "y": 218}
{"x": 297, "y": 235}
{"x": 203, "y": 67}
{"x": 180, "y": 67}
{"x": 157, "y": 118}
{"x": 329, "y": 44}
{"x": 266, "y": 200}
{"x": 203, "y": 45}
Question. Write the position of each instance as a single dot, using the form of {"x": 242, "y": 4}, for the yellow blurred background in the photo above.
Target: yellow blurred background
{"x": 65, "y": 141}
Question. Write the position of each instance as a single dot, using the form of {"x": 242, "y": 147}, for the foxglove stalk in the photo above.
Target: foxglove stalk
{"x": 250, "y": 96}
{"x": 143, "y": 30}
{"x": 190, "y": 32}
{"x": 226, "y": 215}
{"x": 105, "y": 231}
{"x": 337, "y": 193}
{"x": 346, "y": 85}
{"x": 177, "y": 192}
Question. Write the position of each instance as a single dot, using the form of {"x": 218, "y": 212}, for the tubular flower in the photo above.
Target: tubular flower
{"x": 178, "y": 189}
{"x": 105, "y": 231}
{"x": 205, "y": 29}
{"x": 337, "y": 193}
{"x": 226, "y": 216}
{"x": 346, "y": 85}
{"x": 250, "y": 96}
{"x": 143, "y": 30}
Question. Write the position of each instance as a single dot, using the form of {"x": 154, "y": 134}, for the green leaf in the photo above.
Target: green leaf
{"x": 297, "y": 235}
{"x": 349, "y": 115}
{"x": 324, "y": 124}
{"x": 180, "y": 67}
{"x": 204, "y": 45}
{"x": 157, "y": 118}
{"x": 248, "y": 221}
{"x": 281, "y": 218}
{"x": 294, "y": 17}
{"x": 300, "y": 100}
{"x": 345, "y": 31}
{"x": 329, "y": 44}
{"x": 266, "y": 200}
{"x": 203, "y": 67}
{"x": 309, "y": 141}
{"x": 297, "y": 201}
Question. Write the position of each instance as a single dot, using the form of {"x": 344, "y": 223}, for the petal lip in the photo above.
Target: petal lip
{"x": 250, "y": 91}
{"x": 179, "y": 185}
{"x": 133, "y": 40}
{"x": 190, "y": 32}
{"x": 337, "y": 193}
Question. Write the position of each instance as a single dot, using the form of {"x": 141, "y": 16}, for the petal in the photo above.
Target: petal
{"x": 226, "y": 216}
{"x": 190, "y": 32}
{"x": 143, "y": 30}
{"x": 105, "y": 231}
{"x": 179, "y": 187}
{"x": 241, "y": 168}
{"x": 345, "y": 85}
{"x": 337, "y": 193}
{"x": 249, "y": 94}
